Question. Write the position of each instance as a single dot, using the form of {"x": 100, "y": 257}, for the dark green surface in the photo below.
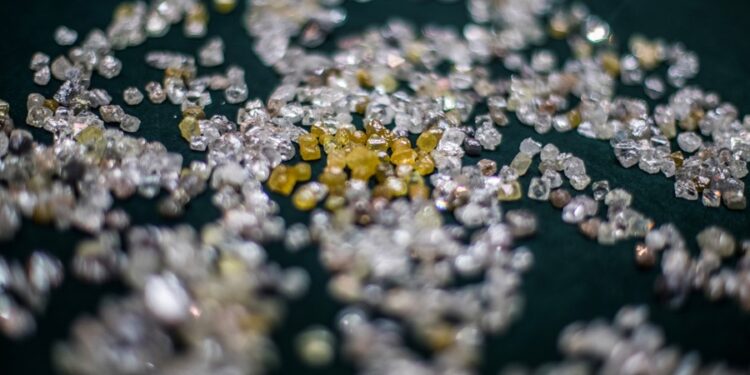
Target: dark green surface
{"x": 572, "y": 278}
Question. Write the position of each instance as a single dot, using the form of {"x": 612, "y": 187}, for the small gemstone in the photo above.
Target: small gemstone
{"x": 530, "y": 147}
{"x": 521, "y": 163}
{"x": 130, "y": 123}
{"x": 472, "y": 147}
{"x": 717, "y": 240}
{"x": 559, "y": 198}
{"x": 539, "y": 189}
{"x": 487, "y": 167}
{"x": 689, "y": 141}
{"x": 42, "y": 76}
{"x": 711, "y": 198}
{"x": 315, "y": 347}
{"x": 687, "y": 190}
{"x": 734, "y": 200}
{"x": 600, "y": 189}
{"x": 65, "y": 36}
{"x": 523, "y": 223}
{"x": 590, "y": 228}
{"x": 510, "y": 191}
{"x": 579, "y": 208}
{"x": 212, "y": 53}
{"x": 132, "y": 96}
{"x": 644, "y": 256}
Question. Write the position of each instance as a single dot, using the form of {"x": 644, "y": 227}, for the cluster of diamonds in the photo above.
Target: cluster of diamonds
{"x": 391, "y": 143}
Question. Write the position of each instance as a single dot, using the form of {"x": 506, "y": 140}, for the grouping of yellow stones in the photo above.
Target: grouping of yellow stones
{"x": 376, "y": 154}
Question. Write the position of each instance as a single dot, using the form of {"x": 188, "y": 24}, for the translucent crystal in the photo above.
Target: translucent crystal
{"x": 156, "y": 93}
{"x": 130, "y": 123}
{"x": 686, "y": 190}
{"x": 580, "y": 182}
{"x": 166, "y": 298}
{"x": 539, "y": 189}
{"x": 530, "y": 147}
{"x": 488, "y": 137}
{"x": 132, "y": 96}
{"x": 579, "y": 208}
{"x": 523, "y": 223}
{"x": 42, "y": 76}
{"x": 553, "y": 178}
{"x": 38, "y": 61}
{"x": 65, "y": 36}
{"x": 212, "y": 53}
{"x": 717, "y": 240}
{"x": 689, "y": 141}
{"x": 711, "y": 198}
{"x": 596, "y": 30}
{"x": 112, "y": 113}
{"x": 600, "y": 189}
{"x": 315, "y": 346}
{"x": 521, "y": 163}
{"x": 109, "y": 67}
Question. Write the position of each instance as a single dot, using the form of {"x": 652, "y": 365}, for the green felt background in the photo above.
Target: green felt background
{"x": 572, "y": 278}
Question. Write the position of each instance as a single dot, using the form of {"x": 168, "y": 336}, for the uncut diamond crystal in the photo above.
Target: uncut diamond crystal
{"x": 717, "y": 240}
{"x": 539, "y": 189}
{"x": 132, "y": 96}
{"x": 689, "y": 141}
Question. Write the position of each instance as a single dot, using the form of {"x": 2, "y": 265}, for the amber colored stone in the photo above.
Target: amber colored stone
{"x": 197, "y": 13}
{"x": 439, "y": 336}
{"x": 43, "y": 214}
{"x": 189, "y": 128}
{"x": 424, "y": 165}
{"x": 364, "y": 78}
{"x": 304, "y": 199}
{"x": 400, "y": 143}
{"x": 427, "y": 141}
{"x": 336, "y": 159}
{"x": 307, "y": 139}
{"x": 308, "y": 153}
{"x": 225, "y": 6}
{"x": 316, "y": 131}
{"x": 359, "y": 137}
{"x": 574, "y": 117}
{"x": 611, "y": 63}
{"x": 334, "y": 179}
{"x": 678, "y": 158}
{"x": 52, "y": 104}
{"x": 419, "y": 192}
{"x": 644, "y": 256}
{"x": 381, "y": 191}
{"x": 396, "y": 186}
{"x": 404, "y": 156}
{"x": 194, "y": 111}
{"x": 590, "y": 227}
{"x": 559, "y": 27}
{"x": 334, "y": 202}
{"x": 361, "y": 106}
{"x": 282, "y": 180}
{"x": 302, "y": 171}
{"x": 375, "y": 127}
{"x": 487, "y": 167}
{"x": 388, "y": 83}
{"x": 510, "y": 191}
{"x": 343, "y": 136}
{"x": 89, "y": 135}
{"x": 559, "y": 198}
{"x": 361, "y": 157}
{"x": 377, "y": 143}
